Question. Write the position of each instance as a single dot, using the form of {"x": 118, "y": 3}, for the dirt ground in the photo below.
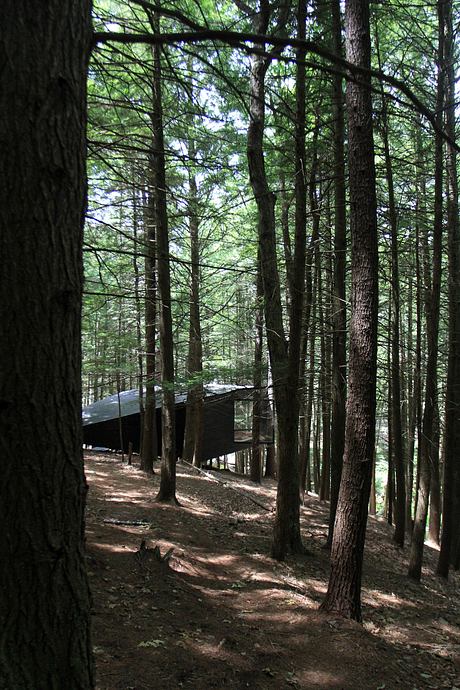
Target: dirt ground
{"x": 219, "y": 613}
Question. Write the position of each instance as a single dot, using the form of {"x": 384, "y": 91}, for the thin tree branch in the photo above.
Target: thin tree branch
{"x": 238, "y": 39}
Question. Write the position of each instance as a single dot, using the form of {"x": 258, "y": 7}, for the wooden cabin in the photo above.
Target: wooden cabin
{"x": 227, "y": 412}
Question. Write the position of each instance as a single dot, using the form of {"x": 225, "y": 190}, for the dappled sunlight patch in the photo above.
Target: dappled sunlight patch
{"x": 245, "y": 535}
{"x": 310, "y": 587}
{"x": 195, "y": 508}
{"x": 219, "y": 568}
{"x": 447, "y": 627}
{"x": 218, "y": 648}
{"x": 96, "y": 473}
{"x": 187, "y": 567}
{"x": 112, "y": 548}
{"x": 281, "y": 618}
{"x": 182, "y": 475}
{"x": 106, "y": 477}
{"x": 257, "y": 518}
{"x": 389, "y": 600}
{"x": 319, "y": 679}
{"x": 126, "y": 496}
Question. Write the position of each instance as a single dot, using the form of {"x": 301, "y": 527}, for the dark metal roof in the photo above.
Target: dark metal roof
{"x": 106, "y": 409}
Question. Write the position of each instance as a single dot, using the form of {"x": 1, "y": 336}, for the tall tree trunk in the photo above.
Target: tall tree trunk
{"x": 285, "y": 205}
{"x": 306, "y": 474}
{"x": 432, "y": 327}
{"x": 149, "y": 448}
{"x": 167, "y": 490}
{"x": 45, "y": 604}
{"x": 309, "y": 321}
{"x": 344, "y": 590}
{"x": 451, "y": 493}
{"x": 434, "y": 528}
{"x": 270, "y": 456}
{"x": 316, "y": 450}
{"x": 193, "y": 434}
{"x": 339, "y": 361}
{"x": 120, "y": 417}
{"x": 397, "y": 445}
{"x": 325, "y": 392}
{"x": 137, "y": 298}
{"x": 422, "y": 279}
{"x": 413, "y": 391}
{"x": 270, "y": 462}
{"x": 286, "y": 535}
{"x": 256, "y": 450}
{"x": 284, "y": 361}
{"x": 373, "y": 497}
{"x": 390, "y": 487}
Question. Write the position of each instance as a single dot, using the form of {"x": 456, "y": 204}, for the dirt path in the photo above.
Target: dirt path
{"x": 221, "y": 614}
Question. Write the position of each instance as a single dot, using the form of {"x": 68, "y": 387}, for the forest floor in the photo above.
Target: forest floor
{"x": 220, "y": 613}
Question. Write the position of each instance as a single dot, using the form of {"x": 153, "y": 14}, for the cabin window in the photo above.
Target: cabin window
{"x": 242, "y": 429}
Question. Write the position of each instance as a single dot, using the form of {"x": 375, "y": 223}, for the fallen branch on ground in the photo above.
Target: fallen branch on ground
{"x": 128, "y": 523}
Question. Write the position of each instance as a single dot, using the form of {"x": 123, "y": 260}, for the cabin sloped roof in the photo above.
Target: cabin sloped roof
{"x": 107, "y": 408}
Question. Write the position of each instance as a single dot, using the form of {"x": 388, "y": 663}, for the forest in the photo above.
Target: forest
{"x": 243, "y": 216}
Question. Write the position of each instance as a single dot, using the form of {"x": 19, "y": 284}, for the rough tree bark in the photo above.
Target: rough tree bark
{"x": 284, "y": 361}
{"x": 414, "y": 353}
{"x": 44, "y": 603}
{"x": 421, "y": 285}
{"x": 167, "y": 490}
{"x": 256, "y": 449}
{"x": 397, "y": 444}
{"x": 149, "y": 450}
{"x": 339, "y": 361}
{"x": 344, "y": 590}
{"x": 307, "y": 407}
{"x": 434, "y": 528}
{"x": 309, "y": 321}
{"x": 137, "y": 299}
{"x": 432, "y": 302}
{"x": 193, "y": 434}
{"x": 324, "y": 383}
{"x": 451, "y": 495}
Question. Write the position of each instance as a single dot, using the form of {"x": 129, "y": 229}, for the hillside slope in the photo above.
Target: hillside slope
{"x": 219, "y": 613}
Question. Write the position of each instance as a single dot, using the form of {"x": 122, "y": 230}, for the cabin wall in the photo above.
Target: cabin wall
{"x": 218, "y": 436}
{"x": 107, "y": 434}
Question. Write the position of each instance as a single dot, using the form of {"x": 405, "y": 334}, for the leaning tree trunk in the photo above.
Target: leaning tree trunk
{"x": 344, "y": 590}
{"x": 45, "y": 605}
{"x": 432, "y": 327}
{"x": 167, "y": 490}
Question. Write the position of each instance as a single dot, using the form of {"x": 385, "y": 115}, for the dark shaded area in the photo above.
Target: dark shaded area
{"x": 101, "y": 421}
